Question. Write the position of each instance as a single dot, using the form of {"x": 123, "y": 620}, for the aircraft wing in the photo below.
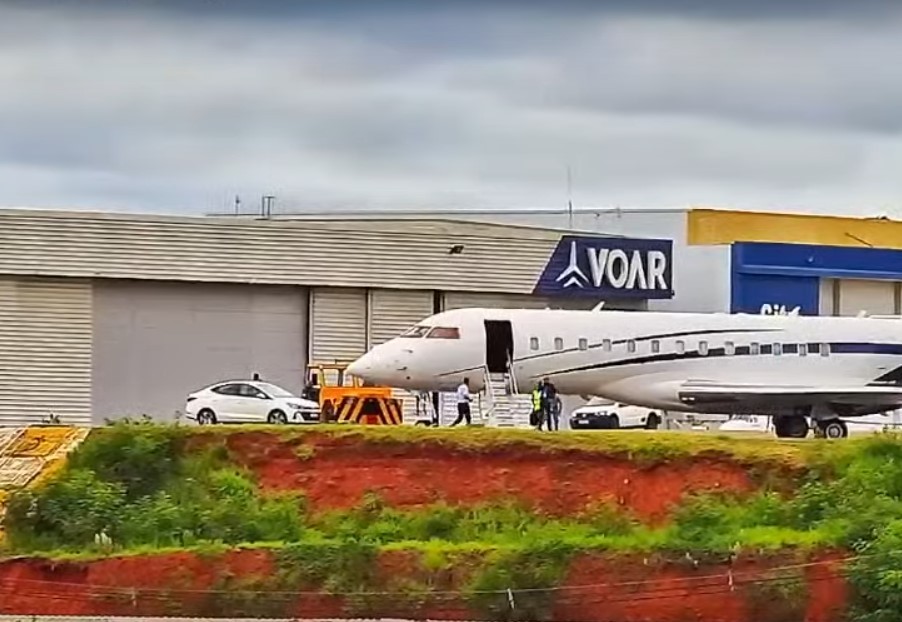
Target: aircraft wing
{"x": 865, "y": 398}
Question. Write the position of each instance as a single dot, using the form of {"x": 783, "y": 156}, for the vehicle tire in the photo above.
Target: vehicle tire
{"x": 791, "y": 426}
{"x": 206, "y": 417}
{"x": 328, "y": 412}
{"x": 614, "y": 421}
{"x": 653, "y": 422}
{"x": 277, "y": 417}
{"x": 833, "y": 429}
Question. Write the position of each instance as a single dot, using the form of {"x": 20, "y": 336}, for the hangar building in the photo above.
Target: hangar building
{"x": 751, "y": 262}
{"x": 109, "y": 315}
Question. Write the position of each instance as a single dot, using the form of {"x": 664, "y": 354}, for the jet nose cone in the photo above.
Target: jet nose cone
{"x": 360, "y": 367}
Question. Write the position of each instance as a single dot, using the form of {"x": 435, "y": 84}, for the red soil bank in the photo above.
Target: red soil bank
{"x": 596, "y": 590}
{"x": 335, "y": 473}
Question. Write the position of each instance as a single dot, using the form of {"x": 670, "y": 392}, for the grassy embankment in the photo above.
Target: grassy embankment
{"x": 154, "y": 488}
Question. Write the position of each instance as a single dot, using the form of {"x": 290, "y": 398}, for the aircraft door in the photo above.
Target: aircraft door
{"x": 499, "y": 345}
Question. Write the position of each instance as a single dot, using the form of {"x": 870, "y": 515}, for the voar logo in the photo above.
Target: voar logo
{"x": 625, "y": 267}
{"x": 573, "y": 274}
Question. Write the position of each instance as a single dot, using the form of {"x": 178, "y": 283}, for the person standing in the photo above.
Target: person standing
{"x": 556, "y": 411}
{"x": 549, "y": 399}
{"x": 463, "y": 402}
{"x": 535, "y": 418}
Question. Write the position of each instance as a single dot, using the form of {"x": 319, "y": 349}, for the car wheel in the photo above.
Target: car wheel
{"x": 206, "y": 417}
{"x": 652, "y": 422}
{"x": 615, "y": 422}
{"x": 277, "y": 417}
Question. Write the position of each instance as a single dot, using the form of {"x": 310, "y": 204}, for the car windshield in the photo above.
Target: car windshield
{"x": 273, "y": 390}
{"x": 600, "y": 401}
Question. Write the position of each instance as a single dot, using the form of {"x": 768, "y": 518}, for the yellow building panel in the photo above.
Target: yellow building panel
{"x": 708, "y": 226}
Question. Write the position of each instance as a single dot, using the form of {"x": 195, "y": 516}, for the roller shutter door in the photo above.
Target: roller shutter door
{"x": 338, "y": 324}
{"x": 460, "y": 300}
{"x": 874, "y": 297}
{"x": 156, "y": 342}
{"x": 394, "y": 311}
{"x": 45, "y": 351}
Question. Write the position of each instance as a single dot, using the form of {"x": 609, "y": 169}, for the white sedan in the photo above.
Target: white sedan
{"x": 249, "y": 401}
{"x": 601, "y": 413}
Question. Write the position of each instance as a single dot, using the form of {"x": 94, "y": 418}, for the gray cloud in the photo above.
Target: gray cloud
{"x": 462, "y": 105}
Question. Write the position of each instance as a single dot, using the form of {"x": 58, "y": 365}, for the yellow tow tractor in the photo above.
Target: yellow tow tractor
{"x": 345, "y": 399}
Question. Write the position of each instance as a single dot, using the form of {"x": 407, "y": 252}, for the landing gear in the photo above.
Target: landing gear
{"x": 791, "y": 426}
{"x": 831, "y": 428}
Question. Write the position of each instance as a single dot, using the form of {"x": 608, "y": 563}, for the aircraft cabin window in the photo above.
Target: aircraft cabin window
{"x": 415, "y": 332}
{"x": 606, "y": 345}
{"x": 655, "y": 346}
{"x": 631, "y": 345}
{"x": 729, "y": 348}
{"x": 533, "y": 343}
{"x": 583, "y": 344}
{"x": 444, "y": 332}
{"x": 703, "y": 348}
{"x": 754, "y": 349}
{"x": 680, "y": 346}
{"x": 778, "y": 349}
{"x": 558, "y": 343}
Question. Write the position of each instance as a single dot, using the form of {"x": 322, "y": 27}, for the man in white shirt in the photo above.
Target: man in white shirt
{"x": 463, "y": 402}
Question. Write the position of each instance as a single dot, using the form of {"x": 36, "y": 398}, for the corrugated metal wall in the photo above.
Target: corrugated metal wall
{"x": 337, "y": 324}
{"x": 874, "y": 297}
{"x": 154, "y": 342}
{"x": 394, "y": 311}
{"x": 45, "y": 350}
{"x": 337, "y": 254}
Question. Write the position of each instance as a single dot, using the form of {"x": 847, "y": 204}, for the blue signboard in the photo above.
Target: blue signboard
{"x": 775, "y": 295}
{"x": 608, "y": 268}
{"x": 782, "y": 278}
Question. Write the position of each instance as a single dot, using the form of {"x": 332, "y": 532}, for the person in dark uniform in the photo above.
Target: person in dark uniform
{"x": 549, "y": 403}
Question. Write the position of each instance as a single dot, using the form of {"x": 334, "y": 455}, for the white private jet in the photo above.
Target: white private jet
{"x": 794, "y": 368}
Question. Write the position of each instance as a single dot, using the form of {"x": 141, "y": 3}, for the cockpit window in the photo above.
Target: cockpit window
{"x": 444, "y": 332}
{"x": 415, "y": 332}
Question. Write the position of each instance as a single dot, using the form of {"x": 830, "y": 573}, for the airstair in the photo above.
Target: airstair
{"x": 507, "y": 407}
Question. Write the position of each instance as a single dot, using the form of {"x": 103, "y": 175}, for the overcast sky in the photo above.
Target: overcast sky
{"x": 158, "y": 107}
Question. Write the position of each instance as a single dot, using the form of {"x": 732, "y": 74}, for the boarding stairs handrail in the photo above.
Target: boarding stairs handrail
{"x": 515, "y": 390}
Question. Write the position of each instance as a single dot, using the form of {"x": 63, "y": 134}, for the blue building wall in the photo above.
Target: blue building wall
{"x": 788, "y": 275}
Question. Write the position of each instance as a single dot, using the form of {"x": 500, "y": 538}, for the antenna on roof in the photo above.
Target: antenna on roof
{"x": 266, "y": 202}
{"x": 569, "y": 199}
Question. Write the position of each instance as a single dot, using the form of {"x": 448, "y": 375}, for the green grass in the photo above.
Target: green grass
{"x": 639, "y": 445}
{"x": 138, "y": 484}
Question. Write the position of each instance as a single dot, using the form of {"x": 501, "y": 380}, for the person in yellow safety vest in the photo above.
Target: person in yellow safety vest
{"x": 537, "y": 406}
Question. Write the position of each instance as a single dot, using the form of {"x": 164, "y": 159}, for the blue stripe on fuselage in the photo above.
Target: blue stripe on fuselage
{"x": 741, "y": 350}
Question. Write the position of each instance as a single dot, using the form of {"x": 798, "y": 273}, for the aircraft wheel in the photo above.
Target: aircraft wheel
{"x": 791, "y": 426}
{"x": 833, "y": 428}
